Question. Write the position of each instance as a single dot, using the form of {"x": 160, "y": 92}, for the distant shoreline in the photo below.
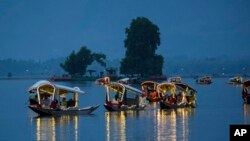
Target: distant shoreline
{"x": 48, "y": 77}
{"x": 23, "y": 78}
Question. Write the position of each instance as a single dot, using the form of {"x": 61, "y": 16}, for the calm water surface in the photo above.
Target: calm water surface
{"x": 219, "y": 105}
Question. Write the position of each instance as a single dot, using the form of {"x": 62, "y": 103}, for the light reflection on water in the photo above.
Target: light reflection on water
{"x": 246, "y": 113}
{"x": 173, "y": 124}
{"x": 56, "y": 128}
{"x": 170, "y": 124}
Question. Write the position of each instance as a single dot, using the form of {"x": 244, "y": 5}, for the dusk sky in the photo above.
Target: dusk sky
{"x": 44, "y": 29}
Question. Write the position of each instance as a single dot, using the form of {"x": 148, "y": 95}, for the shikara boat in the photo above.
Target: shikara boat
{"x": 245, "y": 93}
{"x": 189, "y": 92}
{"x": 103, "y": 81}
{"x": 47, "y": 98}
{"x": 128, "y": 81}
{"x": 235, "y": 80}
{"x": 176, "y": 79}
{"x": 149, "y": 89}
{"x": 204, "y": 80}
{"x": 175, "y": 95}
{"x": 121, "y": 97}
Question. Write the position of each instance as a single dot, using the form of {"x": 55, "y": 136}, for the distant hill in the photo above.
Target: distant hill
{"x": 217, "y": 66}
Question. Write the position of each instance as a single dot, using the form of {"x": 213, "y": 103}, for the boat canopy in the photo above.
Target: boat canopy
{"x": 118, "y": 87}
{"x": 164, "y": 87}
{"x": 124, "y": 79}
{"x": 149, "y": 83}
{"x": 206, "y": 77}
{"x": 50, "y": 88}
{"x": 185, "y": 86}
{"x": 236, "y": 78}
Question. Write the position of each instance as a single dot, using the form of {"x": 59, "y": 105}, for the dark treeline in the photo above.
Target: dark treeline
{"x": 181, "y": 65}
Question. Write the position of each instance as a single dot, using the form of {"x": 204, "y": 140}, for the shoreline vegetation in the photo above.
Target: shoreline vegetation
{"x": 93, "y": 78}
{"x": 173, "y": 66}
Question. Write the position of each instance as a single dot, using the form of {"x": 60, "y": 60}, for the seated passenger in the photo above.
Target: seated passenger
{"x": 182, "y": 98}
{"x": 54, "y": 104}
{"x": 191, "y": 98}
{"x": 45, "y": 101}
{"x": 63, "y": 103}
{"x": 154, "y": 94}
{"x": 71, "y": 103}
{"x": 172, "y": 99}
{"x": 179, "y": 97}
{"x": 142, "y": 100}
{"x": 116, "y": 99}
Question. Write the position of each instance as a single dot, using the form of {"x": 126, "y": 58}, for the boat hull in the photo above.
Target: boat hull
{"x": 205, "y": 83}
{"x": 164, "y": 105}
{"x": 123, "y": 108}
{"x": 58, "y": 112}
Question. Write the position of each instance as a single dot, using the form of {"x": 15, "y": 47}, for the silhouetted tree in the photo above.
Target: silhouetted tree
{"x": 143, "y": 38}
{"x": 76, "y": 63}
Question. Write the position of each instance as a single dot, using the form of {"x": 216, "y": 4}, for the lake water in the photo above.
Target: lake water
{"x": 219, "y": 105}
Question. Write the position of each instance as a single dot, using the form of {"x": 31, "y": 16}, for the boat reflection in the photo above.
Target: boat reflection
{"x": 56, "y": 128}
{"x": 169, "y": 124}
{"x": 173, "y": 124}
{"x": 116, "y": 124}
{"x": 246, "y": 112}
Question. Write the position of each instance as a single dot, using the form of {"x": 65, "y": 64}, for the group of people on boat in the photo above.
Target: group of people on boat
{"x": 169, "y": 93}
{"x": 48, "y": 102}
{"x": 138, "y": 100}
{"x": 181, "y": 99}
{"x": 150, "y": 93}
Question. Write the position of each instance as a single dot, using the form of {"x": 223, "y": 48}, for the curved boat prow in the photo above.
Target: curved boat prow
{"x": 90, "y": 109}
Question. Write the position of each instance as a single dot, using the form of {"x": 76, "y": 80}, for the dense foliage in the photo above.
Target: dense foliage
{"x": 143, "y": 38}
{"x": 77, "y": 63}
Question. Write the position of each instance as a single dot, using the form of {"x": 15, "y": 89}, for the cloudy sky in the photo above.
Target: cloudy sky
{"x": 43, "y": 29}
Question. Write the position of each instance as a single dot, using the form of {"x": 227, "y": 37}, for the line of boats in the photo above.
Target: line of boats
{"x": 168, "y": 94}
{"x": 135, "y": 80}
{"x": 48, "y": 98}
{"x": 238, "y": 80}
